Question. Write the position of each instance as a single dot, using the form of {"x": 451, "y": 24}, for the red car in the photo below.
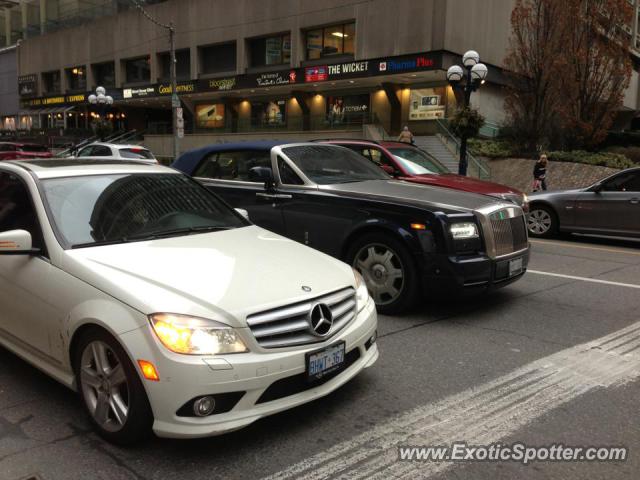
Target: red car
{"x": 406, "y": 162}
{"x": 17, "y": 151}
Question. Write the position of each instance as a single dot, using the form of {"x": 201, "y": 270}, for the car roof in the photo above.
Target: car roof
{"x": 365, "y": 142}
{"x": 64, "y": 167}
{"x": 188, "y": 161}
{"x": 23, "y": 144}
{"x": 118, "y": 145}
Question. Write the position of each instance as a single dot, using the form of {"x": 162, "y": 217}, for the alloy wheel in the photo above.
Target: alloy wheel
{"x": 382, "y": 271}
{"x": 105, "y": 387}
{"x": 539, "y": 222}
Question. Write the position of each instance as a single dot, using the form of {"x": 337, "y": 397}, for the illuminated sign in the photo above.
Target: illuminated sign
{"x": 180, "y": 88}
{"x": 316, "y": 74}
{"x": 406, "y": 64}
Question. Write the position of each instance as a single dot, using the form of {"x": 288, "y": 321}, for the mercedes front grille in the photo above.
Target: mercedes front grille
{"x": 290, "y": 326}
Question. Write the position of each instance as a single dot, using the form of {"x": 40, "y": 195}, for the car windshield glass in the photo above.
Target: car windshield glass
{"x": 326, "y": 165}
{"x": 99, "y": 209}
{"x": 137, "y": 153}
{"x": 416, "y": 162}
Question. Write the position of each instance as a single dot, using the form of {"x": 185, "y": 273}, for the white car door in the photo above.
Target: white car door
{"x": 28, "y": 315}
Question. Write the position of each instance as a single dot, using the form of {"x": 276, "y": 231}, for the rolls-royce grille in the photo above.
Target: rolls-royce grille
{"x": 290, "y": 325}
{"x": 509, "y": 234}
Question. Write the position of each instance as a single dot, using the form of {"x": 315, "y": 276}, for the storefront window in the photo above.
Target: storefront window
{"x": 269, "y": 114}
{"x": 218, "y": 58}
{"x": 270, "y": 51}
{"x": 104, "y": 74}
{"x": 210, "y": 115}
{"x": 138, "y": 70}
{"x": 51, "y": 82}
{"x": 76, "y": 79}
{"x": 183, "y": 65}
{"x": 327, "y": 41}
{"x": 347, "y": 110}
{"x": 427, "y": 103}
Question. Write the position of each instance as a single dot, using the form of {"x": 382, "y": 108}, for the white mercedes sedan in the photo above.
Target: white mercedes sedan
{"x": 167, "y": 310}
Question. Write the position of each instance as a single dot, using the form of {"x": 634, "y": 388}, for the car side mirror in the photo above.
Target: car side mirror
{"x": 262, "y": 175}
{"x": 390, "y": 170}
{"x": 17, "y": 242}
{"x": 244, "y": 213}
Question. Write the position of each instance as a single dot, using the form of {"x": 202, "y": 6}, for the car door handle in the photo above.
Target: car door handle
{"x": 635, "y": 201}
{"x": 274, "y": 196}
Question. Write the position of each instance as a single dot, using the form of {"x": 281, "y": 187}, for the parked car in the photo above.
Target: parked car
{"x": 406, "y": 162}
{"x": 17, "y": 150}
{"x": 117, "y": 151}
{"x": 164, "y": 307}
{"x": 405, "y": 239}
{"x": 608, "y": 207}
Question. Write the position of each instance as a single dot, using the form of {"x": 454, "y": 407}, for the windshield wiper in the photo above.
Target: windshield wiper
{"x": 150, "y": 236}
{"x": 176, "y": 231}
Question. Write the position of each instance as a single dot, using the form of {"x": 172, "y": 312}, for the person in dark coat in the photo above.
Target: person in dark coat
{"x": 540, "y": 174}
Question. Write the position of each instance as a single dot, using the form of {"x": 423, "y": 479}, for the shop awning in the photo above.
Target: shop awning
{"x": 45, "y": 111}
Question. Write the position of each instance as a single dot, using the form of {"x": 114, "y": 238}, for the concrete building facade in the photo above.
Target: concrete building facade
{"x": 255, "y": 66}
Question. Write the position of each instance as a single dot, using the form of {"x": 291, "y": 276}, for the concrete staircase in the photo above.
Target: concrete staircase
{"x": 433, "y": 145}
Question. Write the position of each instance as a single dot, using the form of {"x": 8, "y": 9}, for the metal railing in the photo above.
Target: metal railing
{"x": 476, "y": 167}
{"x": 489, "y": 130}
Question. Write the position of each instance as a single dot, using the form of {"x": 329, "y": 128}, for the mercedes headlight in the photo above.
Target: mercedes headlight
{"x": 195, "y": 336}
{"x": 362, "y": 294}
{"x": 464, "y": 231}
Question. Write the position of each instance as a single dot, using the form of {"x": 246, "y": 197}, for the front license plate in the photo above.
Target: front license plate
{"x": 515, "y": 267}
{"x": 325, "y": 361}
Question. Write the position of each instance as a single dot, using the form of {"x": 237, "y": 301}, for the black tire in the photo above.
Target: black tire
{"x": 378, "y": 275}
{"x": 139, "y": 418}
{"x": 542, "y": 222}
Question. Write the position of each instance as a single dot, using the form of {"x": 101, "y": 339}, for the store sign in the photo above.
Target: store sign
{"x": 316, "y": 74}
{"x": 57, "y": 100}
{"x": 139, "y": 92}
{"x": 407, "y": 64}
{"x": 28, "y": 85}
{"x": 348, "y": 69}
{"x": 218, "y": 84}
{"x": 184, "y": 87}
{"x": 268, "y": 79}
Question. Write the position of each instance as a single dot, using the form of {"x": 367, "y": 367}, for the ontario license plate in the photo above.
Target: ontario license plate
{"x": 325, "y": 361}
{"x": 515, "y": 267}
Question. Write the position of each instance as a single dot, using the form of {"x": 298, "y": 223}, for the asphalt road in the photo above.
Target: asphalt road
{"x": 551, "y": 359}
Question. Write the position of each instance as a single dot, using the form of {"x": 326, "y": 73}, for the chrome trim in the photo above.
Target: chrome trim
{"x": 495, "y": 242}
{"x": 289, "y": 326}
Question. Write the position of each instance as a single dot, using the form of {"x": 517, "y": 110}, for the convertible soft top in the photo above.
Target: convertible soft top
{"x": 188, "y": 161}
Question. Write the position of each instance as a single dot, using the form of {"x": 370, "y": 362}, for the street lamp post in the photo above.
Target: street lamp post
{"x": 468, "y": 80}
{"x": 101, "y": 100}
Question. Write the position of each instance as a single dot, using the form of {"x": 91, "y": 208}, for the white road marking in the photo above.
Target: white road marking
{"x": 574, "y": 245}
{"x": 480, "y": 415}
{"x": 585, "y": 279}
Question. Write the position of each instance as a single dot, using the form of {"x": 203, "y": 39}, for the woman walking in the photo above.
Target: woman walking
{"x": 540, "y": 174}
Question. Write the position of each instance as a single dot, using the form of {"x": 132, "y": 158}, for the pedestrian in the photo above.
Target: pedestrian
{"x": 406, "y": 136}
{"x": 540, "y": 174}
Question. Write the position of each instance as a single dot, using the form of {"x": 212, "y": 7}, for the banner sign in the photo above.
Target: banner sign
{"x": 28, "y": 85}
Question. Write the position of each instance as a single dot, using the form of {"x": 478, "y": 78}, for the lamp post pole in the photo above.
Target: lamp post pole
{"x": 175, "y": 100}
{"x": 474, "y": 74}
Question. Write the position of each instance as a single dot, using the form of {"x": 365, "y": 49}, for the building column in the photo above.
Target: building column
{"x": 396, "y": 107}
{"x": 25, "y": 18}
{"x": 43, "y": 16}
{"x": 7, "y": 25}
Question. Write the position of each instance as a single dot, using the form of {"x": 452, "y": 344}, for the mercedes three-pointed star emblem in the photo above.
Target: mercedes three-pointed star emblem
{"x": 320, "y": 320}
